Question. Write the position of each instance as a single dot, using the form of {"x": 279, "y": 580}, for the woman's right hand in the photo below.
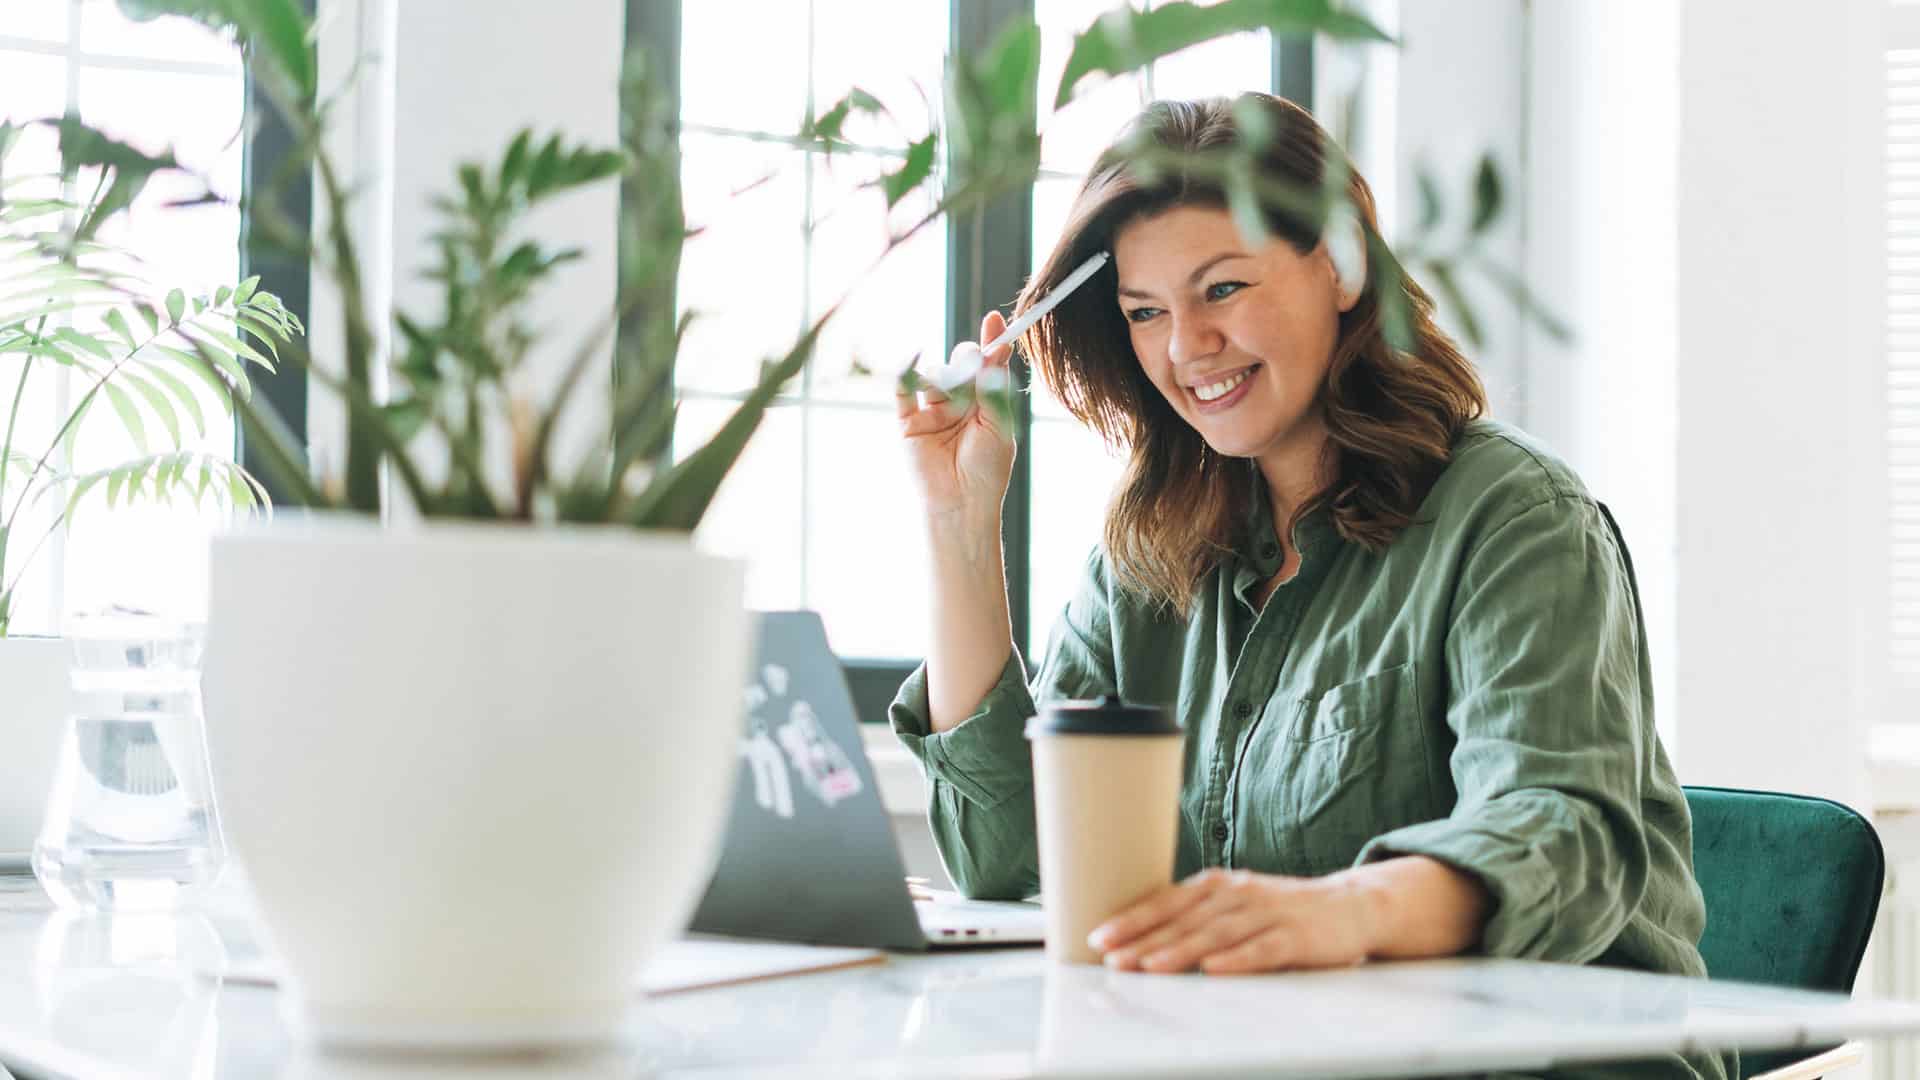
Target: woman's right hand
{"x": 961, "y": 459}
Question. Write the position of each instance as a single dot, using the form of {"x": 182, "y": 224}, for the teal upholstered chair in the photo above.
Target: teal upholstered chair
{"x": 1792, "y": 885}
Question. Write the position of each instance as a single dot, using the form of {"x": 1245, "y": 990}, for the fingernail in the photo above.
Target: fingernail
{"x": 1098, "y": 939}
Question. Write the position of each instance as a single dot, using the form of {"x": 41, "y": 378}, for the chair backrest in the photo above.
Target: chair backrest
{"x": 1792, "y": 885}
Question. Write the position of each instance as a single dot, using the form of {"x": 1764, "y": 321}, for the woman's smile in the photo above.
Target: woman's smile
{"x": 1215, "y": 394}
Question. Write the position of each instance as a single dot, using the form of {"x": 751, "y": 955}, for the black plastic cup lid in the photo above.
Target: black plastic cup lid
{"x": 1106, "y": 715}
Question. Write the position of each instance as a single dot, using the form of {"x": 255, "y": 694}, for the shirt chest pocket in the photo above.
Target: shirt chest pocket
{"x": 1345, "y": 765}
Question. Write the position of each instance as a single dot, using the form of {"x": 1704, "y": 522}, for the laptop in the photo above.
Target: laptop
{"x": 809, "y": 853}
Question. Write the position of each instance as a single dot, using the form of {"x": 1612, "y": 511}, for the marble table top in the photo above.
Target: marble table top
{"x": 89, "y": 996}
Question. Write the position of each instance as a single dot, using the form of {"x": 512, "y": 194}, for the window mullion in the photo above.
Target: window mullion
{"x": 269, "y": 146}
{"x": 988, "y": 252}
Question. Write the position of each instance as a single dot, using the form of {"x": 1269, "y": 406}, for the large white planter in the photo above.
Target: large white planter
{"x": 475, "y": 773}
{"x": 33, "y": 712}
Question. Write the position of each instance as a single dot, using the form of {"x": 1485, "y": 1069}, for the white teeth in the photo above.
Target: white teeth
{"x": 1220, "y": 389}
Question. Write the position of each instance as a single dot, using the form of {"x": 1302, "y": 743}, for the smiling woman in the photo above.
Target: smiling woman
{"x": 1404, "y": 641}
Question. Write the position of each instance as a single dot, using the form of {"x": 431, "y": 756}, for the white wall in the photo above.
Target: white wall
{"x": 1781, "y": 521}
{"x": 1601, "y": 144}
{"x": 1702, "y": 192}
{"x": 1457, "y": 89}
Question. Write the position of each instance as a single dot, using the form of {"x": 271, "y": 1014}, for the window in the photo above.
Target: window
{"x": 822, "y": 503}
{"x": 155, "y": 84}
{"x": 1903, "y": 353}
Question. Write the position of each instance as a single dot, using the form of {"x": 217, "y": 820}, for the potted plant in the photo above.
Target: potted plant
{"x": 542, "y": 664}
{"x": 148, "y": 358}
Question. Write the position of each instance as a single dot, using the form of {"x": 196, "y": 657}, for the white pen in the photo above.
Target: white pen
{"x": 968, "y": 357}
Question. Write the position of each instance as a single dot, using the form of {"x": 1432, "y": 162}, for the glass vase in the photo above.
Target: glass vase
{"x": 131, "y": 822}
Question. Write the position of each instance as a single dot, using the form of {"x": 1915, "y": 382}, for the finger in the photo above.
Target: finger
{"x": 1161, "y": 948}
{"x": 1163, "y": 904}
{"x": 1274, "y": 949}
{"x": 906, "y": 403}
{"x": 992, "y": 326}
{"x": 940, "y": 410}
{"x": 1197, "y": 940}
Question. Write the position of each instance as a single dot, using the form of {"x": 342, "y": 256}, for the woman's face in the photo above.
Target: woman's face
{"x": 1236, "y": 338}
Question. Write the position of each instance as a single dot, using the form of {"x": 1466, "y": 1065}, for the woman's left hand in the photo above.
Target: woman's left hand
{"x": 1236, "y": 921}
{"x": 1227, "y": 921}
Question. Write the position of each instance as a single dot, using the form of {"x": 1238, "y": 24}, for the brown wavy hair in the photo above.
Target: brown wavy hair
{"x": 1391, "y": 415}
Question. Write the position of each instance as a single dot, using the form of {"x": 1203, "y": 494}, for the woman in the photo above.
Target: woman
{"x": 1405, "y": 642}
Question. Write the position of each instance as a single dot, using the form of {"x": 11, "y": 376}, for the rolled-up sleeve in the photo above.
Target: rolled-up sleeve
{"x": 1550, "y": 709}
{"x": 980, "y": 771}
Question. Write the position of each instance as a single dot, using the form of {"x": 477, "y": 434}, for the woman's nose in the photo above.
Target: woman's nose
{"x": 1193, "y": 338}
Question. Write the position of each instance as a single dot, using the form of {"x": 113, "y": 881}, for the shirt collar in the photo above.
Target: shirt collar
{"x": 1256, "y": 556}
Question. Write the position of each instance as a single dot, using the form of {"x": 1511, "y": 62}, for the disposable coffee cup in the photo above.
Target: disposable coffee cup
{"x": 1106, "y": 786}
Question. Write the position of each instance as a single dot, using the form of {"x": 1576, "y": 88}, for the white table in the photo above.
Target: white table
{"x": 88, "y": 997}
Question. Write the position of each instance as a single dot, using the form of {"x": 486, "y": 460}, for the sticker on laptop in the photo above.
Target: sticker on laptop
{"x": 824, "y": 768}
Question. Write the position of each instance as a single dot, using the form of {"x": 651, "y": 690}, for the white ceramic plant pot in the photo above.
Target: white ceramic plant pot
{"x": 476, "y": 773}
{"x": 33, "y": 711}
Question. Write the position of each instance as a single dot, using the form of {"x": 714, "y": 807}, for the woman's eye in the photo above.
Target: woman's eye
{"x": 1141, "y": 314}
{"x": 1220, "y": 290}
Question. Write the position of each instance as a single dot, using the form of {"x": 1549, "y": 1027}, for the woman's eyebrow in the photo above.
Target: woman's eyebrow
{"x": 1199, "y": 272}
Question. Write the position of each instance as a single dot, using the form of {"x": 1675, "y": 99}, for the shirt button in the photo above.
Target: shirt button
{"x": 1243, "y": 710}
{"x": 1220, "y": 831}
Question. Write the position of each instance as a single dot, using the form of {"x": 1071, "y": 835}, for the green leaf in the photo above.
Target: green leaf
{"x": 264, "y": 332}
{"x": 1449, "y": 288}
{"x": 149, "y": 315}
{"x": 128, "y": 169}
{"x": 182, "y": 393}
{"x": 117, "y": 323}
{"x": 405, "y": 418}
{"x": 474, "y": 184}
{"x": 281, "y": 29}
{"x": 827, "y": 125}
{"x": 116, "y": 479}
{"x": 199, "y": 368}
{"x": 48, "y": 351}
{"x": 237, "y": 489}
{"x": 85, "y": 343}
{"x": 515, "y": 161}
{"x": 1013, "y": 67}
{"x": 1486, "y": 194}
{"x": 541, "y": 172}
{"x": 28, "y": 209}
{"x": 1430, "y": 202}
{"x": 679, "y": 499}
{"x": 221, "y": 295}
{"x": 77, "y": 421}
{"x": 163, "y": 408}
{"x": 234, "y": 345}
{"x": 243, "y": 292}
{"x": 176, "y": 305}
{"x": 919, "y": 165}
{"x": 221, "y": 359}
{"x": 1122, "y": 41}
{"x": 129, "y": 414}
{"x": 81, "y": 486}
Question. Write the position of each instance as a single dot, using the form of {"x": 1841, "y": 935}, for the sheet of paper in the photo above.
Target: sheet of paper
{"x": 689, "y": 964}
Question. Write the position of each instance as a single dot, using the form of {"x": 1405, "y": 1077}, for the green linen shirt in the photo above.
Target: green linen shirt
{"x": 1479, "y": 692}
